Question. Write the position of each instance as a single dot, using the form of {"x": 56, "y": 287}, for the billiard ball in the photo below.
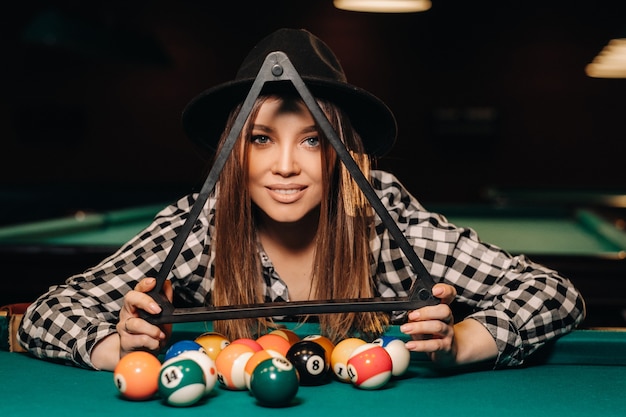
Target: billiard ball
{"x": 181, "y": 382}
{"x": 213, "y": 343}
{"x": 230, "y": 364}
{"x": 274, "y": 342}
{"x": 326, "y": 343}
{"x": 256, "y": 359}
{"x": 208, "y": 367}
{"x": 136, "y": 375}
{"x": 248, "y": 342}
{"x": 341, "y": 354}
{"x": 274, "y": 382}
{"x": 400, "y": 355}
{"x": 178, "y": 347}
{"x": 309, "y": 360}
{"x": 288, "y": 334}
{"x": 370, "y": 366}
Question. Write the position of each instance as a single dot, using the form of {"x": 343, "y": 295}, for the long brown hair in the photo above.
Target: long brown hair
{"x": 342, "y": 255}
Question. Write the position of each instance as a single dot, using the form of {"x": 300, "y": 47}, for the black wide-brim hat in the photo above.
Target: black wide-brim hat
{"x": 205, "y": 117}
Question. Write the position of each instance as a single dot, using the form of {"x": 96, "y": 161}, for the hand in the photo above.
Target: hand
{"x": 135, "y": 333}
{"x": 432, "y": 328}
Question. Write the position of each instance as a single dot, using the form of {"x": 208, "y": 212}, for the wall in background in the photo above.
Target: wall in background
{"x": 486, "y": 93}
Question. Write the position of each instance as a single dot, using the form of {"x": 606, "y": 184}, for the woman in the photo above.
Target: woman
{"x": 287, "y": 222}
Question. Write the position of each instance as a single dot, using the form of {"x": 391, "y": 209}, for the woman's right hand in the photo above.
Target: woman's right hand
{"x": 136, "y": 333}
{"x": 133, "y": 332}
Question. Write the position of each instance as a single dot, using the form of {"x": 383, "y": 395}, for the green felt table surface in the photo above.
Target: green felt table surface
{"x": 112, "y": 228}
{"x": 583, "y": 374}
{"x": 579, "y": 232}
{"x": 529, "y": 231}
{"x": 546, "y": 231}
{"x": 526, "y": 230}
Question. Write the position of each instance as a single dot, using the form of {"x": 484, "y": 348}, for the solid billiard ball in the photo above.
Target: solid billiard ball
{"x": 400, "y": 355}
{"x": 288, "y": 334}
{"x": 248, "y": 342}
{"x": 178, "y": 347}
{"x": 207, "y": 364}
{"x": 230, "y": 364}
{"x": 370, "y": 366}
{"x": 274, "y": 342}
{"x": 325, "y": 342}
{"x": 274, "y": 382}
{"x": 309, "y": 359}
{"x": 181, "y": 382}
{"x": 341, "y": 354}
{"x": 136, "y": 375}
{"x": 213, "y": 343}
{"x": 256, "y": 359}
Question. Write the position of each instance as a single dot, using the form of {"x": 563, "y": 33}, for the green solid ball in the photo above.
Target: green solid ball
{"x": 274, "y": 382}
{"x": 181, "y": 382}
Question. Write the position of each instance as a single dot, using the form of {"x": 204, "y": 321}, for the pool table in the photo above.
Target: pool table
{"x": 580, "y": 243}
{"x": 582, "y": 374}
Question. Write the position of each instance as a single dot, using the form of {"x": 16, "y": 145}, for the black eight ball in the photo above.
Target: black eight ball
{"x": 308, "y": 359}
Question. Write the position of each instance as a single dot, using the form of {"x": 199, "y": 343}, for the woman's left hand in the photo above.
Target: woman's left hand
{"x": 432, "y": 328}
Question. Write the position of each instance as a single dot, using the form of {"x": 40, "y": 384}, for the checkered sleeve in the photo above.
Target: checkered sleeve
{"x": 65, "y": 323}
{"x": 522, "y": 304}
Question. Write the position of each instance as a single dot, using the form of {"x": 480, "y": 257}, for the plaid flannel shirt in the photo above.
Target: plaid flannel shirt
{"x": 522, "y": 304}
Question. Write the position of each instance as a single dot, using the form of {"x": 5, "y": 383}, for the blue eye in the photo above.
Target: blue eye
{"x": 260, "y": 139}
{"x": 313, "y": 141}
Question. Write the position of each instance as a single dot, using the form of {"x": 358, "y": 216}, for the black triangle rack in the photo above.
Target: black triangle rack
{"x": 278, "y": 67}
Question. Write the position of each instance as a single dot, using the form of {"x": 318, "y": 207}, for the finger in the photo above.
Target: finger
{"x": 446, "y": 293}
{"x": 429, "y": 345}
{"x": 441, "y": 312}
{"x": 431, "y": 329}
{"x": 137, "y": 334}
{"x": 135, "y": 300}
{"x": 145, "y": 285}
{"x": 141, "y": 342}
{"x": 138, "y": 326}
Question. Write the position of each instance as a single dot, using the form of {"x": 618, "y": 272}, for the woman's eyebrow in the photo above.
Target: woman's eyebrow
{"x": 264, "y": 128}
{"x": 310, "y": 129}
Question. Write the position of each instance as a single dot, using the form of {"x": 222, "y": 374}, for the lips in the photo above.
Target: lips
{"x": 286, "y": 193}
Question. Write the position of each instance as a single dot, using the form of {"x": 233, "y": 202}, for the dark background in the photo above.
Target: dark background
{"x": 486, "y": 93}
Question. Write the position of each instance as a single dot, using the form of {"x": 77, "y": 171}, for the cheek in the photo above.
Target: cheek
{"x": 313, "y": 164}
{"x": 255, "y": 167}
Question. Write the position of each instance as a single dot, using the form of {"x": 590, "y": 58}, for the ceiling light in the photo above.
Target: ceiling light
{"x": 610, "y": 62}
{"x": 384, "y": 6}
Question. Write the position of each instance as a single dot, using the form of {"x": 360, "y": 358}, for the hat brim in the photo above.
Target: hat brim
{"x": 204, "y": 118}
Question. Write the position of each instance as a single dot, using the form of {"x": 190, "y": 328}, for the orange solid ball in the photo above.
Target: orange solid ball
{"x": 274, "y": 342}
{"x": 136, "y": 375}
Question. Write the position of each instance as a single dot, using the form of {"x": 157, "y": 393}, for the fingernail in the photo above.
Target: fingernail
{"x": 149, "y": 280}
{"x": 404, "y": 328}
{"x": 154, "y": 308}
{"x": 437, "y": 291}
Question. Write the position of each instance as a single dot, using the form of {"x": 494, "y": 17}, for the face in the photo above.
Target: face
{"x": 285, "y": 162}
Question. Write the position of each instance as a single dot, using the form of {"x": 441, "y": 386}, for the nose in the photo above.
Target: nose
{"x": 285, "y": 163}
